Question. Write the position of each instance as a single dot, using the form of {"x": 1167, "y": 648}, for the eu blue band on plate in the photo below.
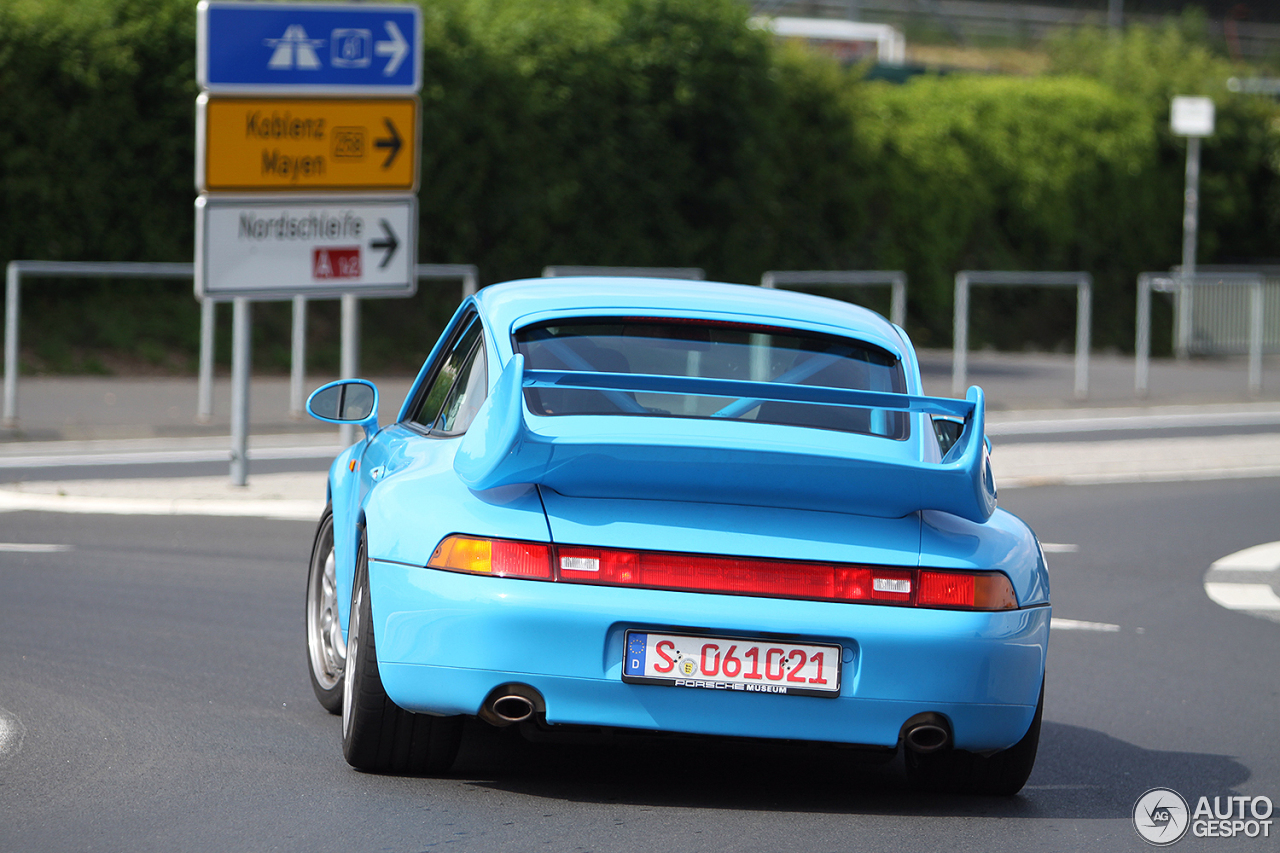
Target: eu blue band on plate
{"x": 635, "y": 653}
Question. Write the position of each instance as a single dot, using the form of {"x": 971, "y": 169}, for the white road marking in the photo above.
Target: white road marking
{"x": 1239, "y": 581}
{"x": 31, "y": 548}
{"x": 1243, "y": 596}
{"x": 1058, "y": 548}
{"x": 1259, "y": 558}
{"x": 298, "y": 510}
{"x": 11, "y": 732}
{"x": 1077, "y": 625}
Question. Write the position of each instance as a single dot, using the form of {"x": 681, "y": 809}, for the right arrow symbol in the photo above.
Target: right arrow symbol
{"x": 397, "y": 48}
{"x": 390, "y": 243}
{"x": 393, "y": 143}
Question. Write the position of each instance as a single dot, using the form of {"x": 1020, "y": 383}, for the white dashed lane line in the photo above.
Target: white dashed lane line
{"x": 1246, "y": 581}
{"x": 31, "y": 548}
{"x": 11, "y": 733}
{"x": 1059, "y": 548}
{"x": 1057, "y": 624}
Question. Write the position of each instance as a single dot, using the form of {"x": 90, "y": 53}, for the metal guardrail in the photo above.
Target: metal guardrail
{"x": 1181, "y": 287}
{"x": 1216, "y": 320}
{"x": 15, "y": 271}
{"x": 1081, "y": 281}
{"x": 895, "y": 279}
{"x": 688, "y": 273}
{"x": 467, "y": 273}
{"x": 975, "y": 19}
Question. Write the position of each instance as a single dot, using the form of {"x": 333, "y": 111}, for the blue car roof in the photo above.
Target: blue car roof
{"x": 516, "y": 304}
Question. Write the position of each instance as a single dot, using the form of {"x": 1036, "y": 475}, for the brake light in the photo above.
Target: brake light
{"x": 727, "y": 575}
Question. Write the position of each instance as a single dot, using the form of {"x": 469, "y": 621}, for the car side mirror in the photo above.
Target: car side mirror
{"x": 347, "y": 401}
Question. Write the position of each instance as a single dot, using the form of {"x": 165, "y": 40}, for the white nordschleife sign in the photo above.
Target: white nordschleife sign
{"x": 276, "y": 249}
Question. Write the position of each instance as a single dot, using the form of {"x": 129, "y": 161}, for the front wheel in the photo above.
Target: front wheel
{"x": 955, "y": 771}
{"x": 326, "y": 649}
{"x": 377, "y": 734}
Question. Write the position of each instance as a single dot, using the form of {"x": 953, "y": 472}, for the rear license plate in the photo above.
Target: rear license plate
{"x": 732, "y": 663}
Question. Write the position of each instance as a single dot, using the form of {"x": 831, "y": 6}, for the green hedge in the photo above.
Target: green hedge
{"x": 641, "y": 132}
{"x": 1004, "y": 173}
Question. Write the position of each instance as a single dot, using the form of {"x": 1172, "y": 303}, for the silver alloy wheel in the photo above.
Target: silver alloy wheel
{"x": 353, "y": 652}
{"x": 324, "y": 630}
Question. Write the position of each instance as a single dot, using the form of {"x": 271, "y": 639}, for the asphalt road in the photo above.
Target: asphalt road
{"x": 153, "y": 696}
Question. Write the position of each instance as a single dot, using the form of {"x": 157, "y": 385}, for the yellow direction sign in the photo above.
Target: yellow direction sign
{"x": 284, "y": 145}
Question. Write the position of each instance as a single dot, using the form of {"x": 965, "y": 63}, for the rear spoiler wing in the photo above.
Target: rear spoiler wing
{"x": 698, "y": 462}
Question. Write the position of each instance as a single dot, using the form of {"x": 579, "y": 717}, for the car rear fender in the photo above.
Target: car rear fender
{"x": 1004, "y": 543}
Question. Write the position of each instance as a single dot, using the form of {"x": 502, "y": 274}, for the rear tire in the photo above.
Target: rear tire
{"x": 326, "y": 649}
{"x": 955, "y": 771}
{"x": 377, "y": 735}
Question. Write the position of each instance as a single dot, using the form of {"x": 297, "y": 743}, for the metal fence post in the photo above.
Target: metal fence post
{"x": 1084, "y": 314}
{"x": 1256, "y": 307}
{"x": 298, "y": 359}
{"x": 204, "y": 381}
{"x": 960, "y": 336}
{"x": 898, "y": 301}
{"x": 11, "y": 301}
{"x": 1142, "y": 342}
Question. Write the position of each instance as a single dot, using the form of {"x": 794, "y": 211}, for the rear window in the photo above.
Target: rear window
{"x": 715, "y": 350}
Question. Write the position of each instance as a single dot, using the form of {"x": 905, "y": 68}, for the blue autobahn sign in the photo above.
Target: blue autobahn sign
{"x": 296, "y": 48}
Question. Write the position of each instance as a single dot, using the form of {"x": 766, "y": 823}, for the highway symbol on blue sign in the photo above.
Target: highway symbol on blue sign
{"x": 294, "y": 48}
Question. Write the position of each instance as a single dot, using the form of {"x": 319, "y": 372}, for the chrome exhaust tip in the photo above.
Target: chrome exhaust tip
{"x": 511, "y": 703}
{"x": 513, "y": 709}
{"x": 928, "y": 732}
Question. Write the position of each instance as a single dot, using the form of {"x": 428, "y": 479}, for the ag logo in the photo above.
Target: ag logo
{"x": 1161, "y": 816}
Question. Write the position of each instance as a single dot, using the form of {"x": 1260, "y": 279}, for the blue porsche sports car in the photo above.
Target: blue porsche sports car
{"x": 676, "y": 507}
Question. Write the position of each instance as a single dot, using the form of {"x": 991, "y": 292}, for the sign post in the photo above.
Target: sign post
{"x": 1192, "y": 118}
{"x": 307, "y": 158}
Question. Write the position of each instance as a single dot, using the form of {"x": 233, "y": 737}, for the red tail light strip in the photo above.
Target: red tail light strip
{"x": 730, "y": 575}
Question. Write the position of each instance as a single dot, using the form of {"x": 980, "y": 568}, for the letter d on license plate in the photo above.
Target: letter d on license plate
{"x": 732, "y": 664}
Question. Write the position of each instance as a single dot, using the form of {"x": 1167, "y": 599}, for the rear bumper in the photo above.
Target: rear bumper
{"x": 445, "y": 640}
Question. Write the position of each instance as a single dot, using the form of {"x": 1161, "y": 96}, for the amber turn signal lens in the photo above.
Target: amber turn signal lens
{"x": 498, "y": 557}
{"x": 463, "y": 554}
{"x": 993, "y": 592}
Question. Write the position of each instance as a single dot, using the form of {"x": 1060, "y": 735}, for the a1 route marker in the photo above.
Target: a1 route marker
{"x": 308, "y": 48}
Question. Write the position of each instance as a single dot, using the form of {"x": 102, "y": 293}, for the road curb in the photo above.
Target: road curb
{"x": 295, "y": 510}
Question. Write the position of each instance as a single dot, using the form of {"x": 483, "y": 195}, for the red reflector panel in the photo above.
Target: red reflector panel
{"x": 945, "y": 589}
{"x": 521, "y": 559}
{"x": 853, "y": 583}
{"x": 692, "y": 572}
